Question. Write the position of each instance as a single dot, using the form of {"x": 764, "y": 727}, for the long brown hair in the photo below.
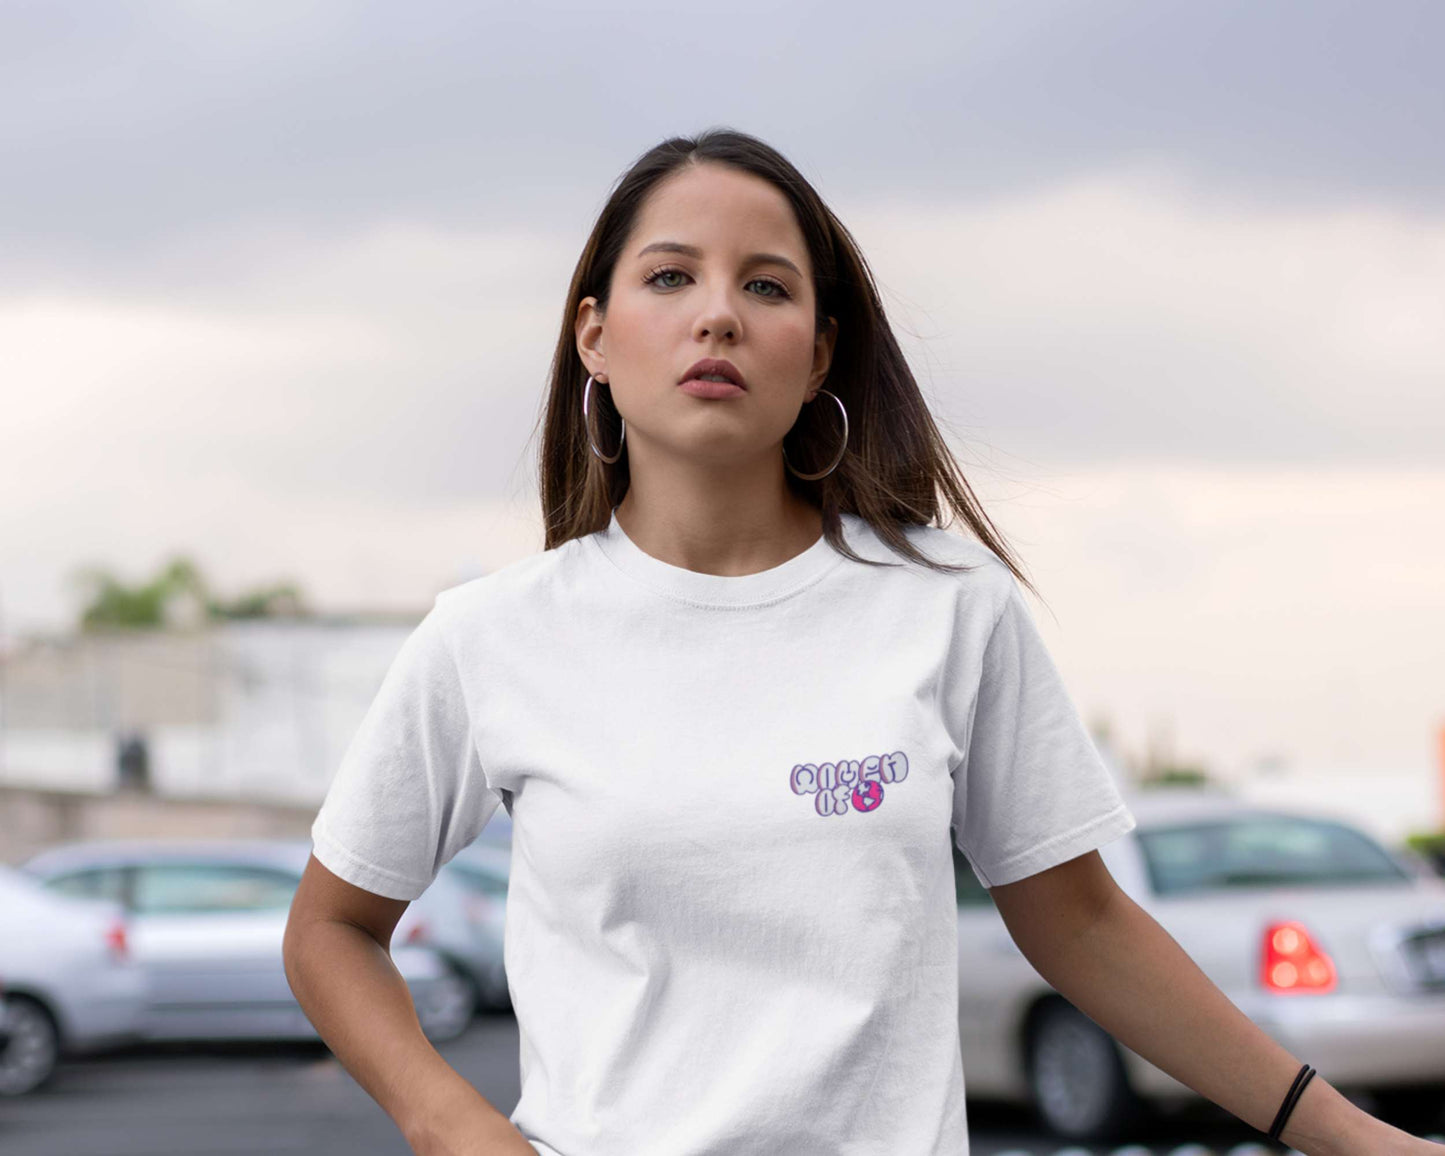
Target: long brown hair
{"x": 896, "y": 463}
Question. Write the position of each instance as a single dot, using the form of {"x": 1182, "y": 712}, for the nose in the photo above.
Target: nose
{"x": 717, "y": 318}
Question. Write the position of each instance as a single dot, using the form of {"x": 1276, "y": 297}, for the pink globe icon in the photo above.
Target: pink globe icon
{"x": 867, "y": 795}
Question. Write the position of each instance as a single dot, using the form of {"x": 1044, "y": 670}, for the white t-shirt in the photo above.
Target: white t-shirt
{"x": 731, "y": 925}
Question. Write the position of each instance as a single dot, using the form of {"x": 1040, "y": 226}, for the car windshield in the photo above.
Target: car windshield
{"x": 1263, "y": 851}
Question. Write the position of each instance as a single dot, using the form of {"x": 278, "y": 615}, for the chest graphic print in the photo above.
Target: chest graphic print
{"x": 850, "y": 783}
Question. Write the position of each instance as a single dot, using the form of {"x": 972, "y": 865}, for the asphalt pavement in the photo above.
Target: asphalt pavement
{"x": 260, "y": 1099}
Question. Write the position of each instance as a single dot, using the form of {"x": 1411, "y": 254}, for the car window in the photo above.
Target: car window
{"x": 196, "y": 887}
{"x": 1262, "y": 851}
{"x": 92, "y": 883}
{"x": 968, "y": 890}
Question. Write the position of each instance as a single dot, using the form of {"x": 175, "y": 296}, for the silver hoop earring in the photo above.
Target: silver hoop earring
{"x": 814, "y": 477}
{"x": 587, "y": 425}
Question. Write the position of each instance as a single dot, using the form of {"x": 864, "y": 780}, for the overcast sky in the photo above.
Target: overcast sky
{"x": 279, "y": 284}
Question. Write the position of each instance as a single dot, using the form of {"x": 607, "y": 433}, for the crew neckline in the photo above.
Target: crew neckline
{"x": 734, "y": 590}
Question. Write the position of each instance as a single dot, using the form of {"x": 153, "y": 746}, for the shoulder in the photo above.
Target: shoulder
{"x": 978, "y": 568}
{"x": 522, "y": 583}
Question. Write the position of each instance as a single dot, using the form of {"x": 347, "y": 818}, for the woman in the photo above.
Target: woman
{"x": 738, "y": 710}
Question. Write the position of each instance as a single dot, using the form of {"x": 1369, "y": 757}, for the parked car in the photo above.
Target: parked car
{"x": 461, "y": 917}
{"x": 482, "y": 870}
{"x": 1329, "y": 942}
{"x": 70, "y": 982}
{"x": 207, "y": 919}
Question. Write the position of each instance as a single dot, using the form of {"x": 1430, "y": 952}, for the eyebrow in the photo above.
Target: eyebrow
{"x": 694, "y": 251}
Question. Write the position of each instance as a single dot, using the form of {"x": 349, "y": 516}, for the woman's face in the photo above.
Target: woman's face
{"x": 742, "y": 292}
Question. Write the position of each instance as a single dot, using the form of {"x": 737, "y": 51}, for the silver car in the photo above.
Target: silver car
{"x": 207, "y": 919}
{"x": 1330, "y": 943}
{"x": 461, "y": 917}
{"x": 481, "y": 872}
{"x": 71, "y": 983}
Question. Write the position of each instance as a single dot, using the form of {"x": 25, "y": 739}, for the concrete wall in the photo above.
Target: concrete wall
{"x": 240, "y": 711}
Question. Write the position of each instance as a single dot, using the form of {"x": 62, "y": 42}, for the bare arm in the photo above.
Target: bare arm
{"x": 1112, "y": 960}
{"x": 340, "y": 969}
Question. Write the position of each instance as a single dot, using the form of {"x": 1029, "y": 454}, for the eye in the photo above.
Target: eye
{"x": 656, "y": 274}
{"x": 778, "y": 285}
{"x": 672, "y": 270}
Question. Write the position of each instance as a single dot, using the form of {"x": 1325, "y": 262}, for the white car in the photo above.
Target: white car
{"x": 1330, "y": 943}
{"x": 70, "y": 982}
{"x": 207, "y": 919}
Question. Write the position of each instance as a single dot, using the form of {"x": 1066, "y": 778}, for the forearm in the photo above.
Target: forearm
{"x": 1127, "y": 974}
{"x": 351, "y": 991}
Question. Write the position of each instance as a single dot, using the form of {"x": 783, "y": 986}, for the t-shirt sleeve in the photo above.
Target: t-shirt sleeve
{"x": 410, "y": 791}
{"x": 1032, "y": 790}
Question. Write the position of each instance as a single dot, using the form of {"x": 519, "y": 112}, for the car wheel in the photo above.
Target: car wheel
{"x": 1416, "y": 1109}
{"x": 1076, "y": 1076}
{"x": 450, "y": 1003}
{"x": 29, "y": 1059}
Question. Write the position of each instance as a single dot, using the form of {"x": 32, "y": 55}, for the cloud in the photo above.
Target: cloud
{"x": 131, "y": 126}
{"x": 1124, "y": 315}
{"x": 1244, "y": 612}
{"x": 1110, "y": 319}
{"x": 401, "y": 363}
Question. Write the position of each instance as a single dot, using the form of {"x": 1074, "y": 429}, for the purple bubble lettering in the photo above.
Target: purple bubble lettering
{"x": 895, "y": 767}
{"x": 846, "y": 785}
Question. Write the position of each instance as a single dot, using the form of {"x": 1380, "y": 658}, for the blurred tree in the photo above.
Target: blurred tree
{"x": 177, "y": 596}
{"x": 283, "y": 600}
{"x": 111, "y": 604}
{"x": 1170, "y": 775}
{"x": 1430, "y": 845}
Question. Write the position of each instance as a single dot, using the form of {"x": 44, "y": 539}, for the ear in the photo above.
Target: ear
{"x": 588, "y": 332}
{"x": 823, "y": 345}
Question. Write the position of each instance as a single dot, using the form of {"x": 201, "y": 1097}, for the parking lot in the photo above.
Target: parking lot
{"x": 196, "y": 926}
{"x": 248, "y": 1099}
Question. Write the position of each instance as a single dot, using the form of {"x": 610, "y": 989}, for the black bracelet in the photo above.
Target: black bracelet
{"x": 1296, "y": 1090}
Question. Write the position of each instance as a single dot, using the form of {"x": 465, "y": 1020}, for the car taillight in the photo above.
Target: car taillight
{"x": 115, "y": 939}
{"x": 1293, "y": 961}
{"x": 419, "y": 933}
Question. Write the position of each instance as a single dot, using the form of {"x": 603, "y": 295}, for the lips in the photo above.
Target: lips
{"x": 715, "y": 366}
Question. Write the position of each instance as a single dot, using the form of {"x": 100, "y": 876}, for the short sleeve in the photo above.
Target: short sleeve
{"x": 410, "y": 791}
{"x": 1032, "y": 790}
